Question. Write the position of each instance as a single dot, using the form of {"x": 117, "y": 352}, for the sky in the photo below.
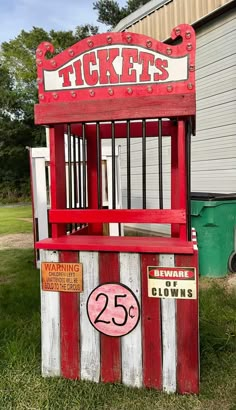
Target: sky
{"x": 16, "y": 15}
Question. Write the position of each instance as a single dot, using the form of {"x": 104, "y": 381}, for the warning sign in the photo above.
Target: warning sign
{"x": 62, "y": 277}
{"x": 172, "y": 283}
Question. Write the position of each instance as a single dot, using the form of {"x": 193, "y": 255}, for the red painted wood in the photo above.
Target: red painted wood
{"x": 118, "y": 215}
{"x": 115, "y": 109}
{"x": 98, "y": 84}
{"x": 110, "y": 346}
{"x": 168, "y": 127}
{"x": 182, "y": 174}
{"x": 187, "y": 335}
{"x": 117, "y": 244}
{"x": 151, "y": 329}
{"x": 69, "y": 326}
{"x": 94, "y": 228}
{"x": 57, "y": 173}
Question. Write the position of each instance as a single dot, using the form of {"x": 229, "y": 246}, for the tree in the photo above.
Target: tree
{"x": 110, "y": 13}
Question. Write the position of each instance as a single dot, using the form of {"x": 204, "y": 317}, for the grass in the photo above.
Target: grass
{"x": 11, "y": 219}
{"x": 23, "y": 388}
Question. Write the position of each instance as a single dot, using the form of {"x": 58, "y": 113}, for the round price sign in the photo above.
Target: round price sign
{"x": 113, "y": 309}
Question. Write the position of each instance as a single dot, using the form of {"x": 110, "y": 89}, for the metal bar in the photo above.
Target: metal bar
{"x": 79, "y": 173}
{"x": 84, "y": 164}
{"x": 69, "y": 170}
{"x": 99, "y": 167}
{"x": 75, "y": 175}
{"x": 188, "y": 162}
{"x": 160, "y": 164}
{"x": 113, "y": 160}
{"x": 144, "y": 174}
{"x": 128, "y": 167}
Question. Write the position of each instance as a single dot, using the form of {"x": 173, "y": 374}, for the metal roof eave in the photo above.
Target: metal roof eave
{"x": 140, "y": 13}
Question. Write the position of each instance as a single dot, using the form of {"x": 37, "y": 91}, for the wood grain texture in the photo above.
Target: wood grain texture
{"x": 118, "y": 215}
{"x": 115, "y": 109}
{"x": 50, "y": 325}
{"x": 151, "y": 329}
{"x": 110, "y": 346}
{"x": 188, "y": 335}
{"x": 131, "y": 344}
{"x": 168, "y": 316}
{"x": 90, "y": 340}
{"x": 117, "y": 244}
{"x": 69, "y": 321}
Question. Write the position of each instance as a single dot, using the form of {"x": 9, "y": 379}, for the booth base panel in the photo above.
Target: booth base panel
{"x": 161, "y": 352}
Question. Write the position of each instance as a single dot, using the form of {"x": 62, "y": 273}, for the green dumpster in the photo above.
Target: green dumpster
{"x": 214, "y": 218}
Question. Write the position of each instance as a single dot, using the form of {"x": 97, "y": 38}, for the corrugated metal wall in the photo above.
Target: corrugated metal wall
{"x": 214, "y": 146}
{"x": 159, "y": 23}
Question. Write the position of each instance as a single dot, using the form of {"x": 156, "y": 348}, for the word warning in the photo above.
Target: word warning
{"x": 171, "y": 283}
{"x": 62, "y": 277}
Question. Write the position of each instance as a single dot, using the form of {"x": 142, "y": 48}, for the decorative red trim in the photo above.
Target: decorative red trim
{"x": 187, "y": 335}
{"x": 152, "y": 130}
{"x": 69, "y": 318}
{"x": 151, "y": 330}
{"x": 97, "y": 82}
{"x": 110, "y": 346}
{"x": 174, "y": 180}
{"x": 117, "y": 244}
{"x": 116, "y": 109}
{"x": 182, "y": 172}
{"x": 117, "y": 215}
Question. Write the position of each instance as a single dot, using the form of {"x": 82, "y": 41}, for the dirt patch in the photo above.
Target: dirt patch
{"x": 18, "y": 240}
{"x": 7, "y": 279}
{"x": 228, "y": 282}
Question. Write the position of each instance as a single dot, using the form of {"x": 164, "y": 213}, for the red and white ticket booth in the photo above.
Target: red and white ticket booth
{"x": 119, "y": 308}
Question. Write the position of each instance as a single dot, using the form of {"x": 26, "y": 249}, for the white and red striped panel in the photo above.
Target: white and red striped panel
{"x": 161, "y": 352}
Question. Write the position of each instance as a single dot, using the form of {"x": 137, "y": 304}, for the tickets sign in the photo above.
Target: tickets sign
{"x": 171, "y": 283}
{"x": 61, "y": 277}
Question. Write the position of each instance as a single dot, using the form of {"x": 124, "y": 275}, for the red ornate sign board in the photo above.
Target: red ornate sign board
{"x": 117, "y": 65}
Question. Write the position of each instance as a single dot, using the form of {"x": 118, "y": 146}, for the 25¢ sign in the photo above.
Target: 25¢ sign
{"x": 113, "y": 309}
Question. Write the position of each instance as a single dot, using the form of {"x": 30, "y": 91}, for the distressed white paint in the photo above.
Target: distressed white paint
{"x": 177, "y": 69}
{"x": 50, "y": 324}
{"x": 168, "y": 318}
{"x": 131, "y": 344}
{"x": 41, "y": 194}
{"x": 89, "y": 337}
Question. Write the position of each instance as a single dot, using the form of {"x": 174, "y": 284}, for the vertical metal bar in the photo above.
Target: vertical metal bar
{"x": 113, "y": 160}
{"x": 99, "y": 167}
{"x": 84, "y": 164}
{"x": 128, "y": 167}
{"x": 79, "y": 173}
{"x": 69, "y": 169}
{"x": 188, "y": 162}
{"x": 144, "y": 174}
{"x": 160, "y": 164}
{"x": 75, "y": 175}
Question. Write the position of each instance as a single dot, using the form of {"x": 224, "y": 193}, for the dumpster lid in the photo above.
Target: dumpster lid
{"x": 212, "y": 196}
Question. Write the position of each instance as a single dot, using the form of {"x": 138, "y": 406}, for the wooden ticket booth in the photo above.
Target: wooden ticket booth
{"x": 119, "y": 308}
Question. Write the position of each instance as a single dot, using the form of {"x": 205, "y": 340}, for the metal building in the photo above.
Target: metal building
{"x": 214, "y": 146}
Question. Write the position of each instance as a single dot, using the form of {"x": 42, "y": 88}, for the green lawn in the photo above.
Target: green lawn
{"x": 22, "y": 387}
{"x": 12, "y": 219}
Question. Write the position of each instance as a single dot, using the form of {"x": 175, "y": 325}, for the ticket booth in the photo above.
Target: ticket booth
{"x": 119, "y": 309}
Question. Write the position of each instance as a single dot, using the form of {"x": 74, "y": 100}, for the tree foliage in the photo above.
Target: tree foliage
{"x": 110, "y": 13}
{"x": 18, "y": 94}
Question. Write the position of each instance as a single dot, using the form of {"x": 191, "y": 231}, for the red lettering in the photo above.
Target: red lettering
{"x": 91, "y": 77}
{"x": 146, "y": 59}
{"x": 65, "y": 73}
{"x": 129, "y": 75}
{"x": 78, "y": 73}
{"x": 107, "y": 71}
{"x": 160, "y": 64}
